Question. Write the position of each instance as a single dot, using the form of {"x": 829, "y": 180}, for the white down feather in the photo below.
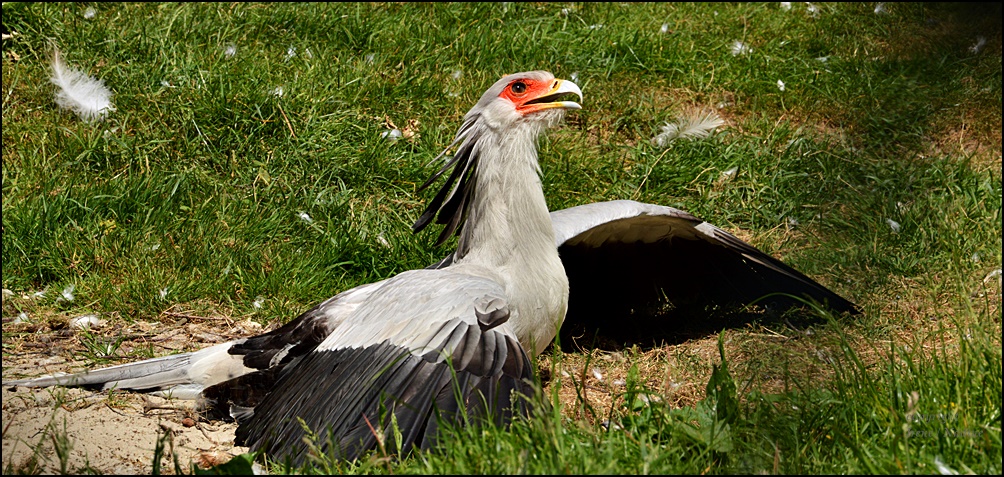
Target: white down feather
{"x": 86, "y": 96}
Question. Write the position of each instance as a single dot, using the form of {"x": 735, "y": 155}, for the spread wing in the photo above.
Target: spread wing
{"x": 424, "y": 346}
{"x": 632, "y": 255}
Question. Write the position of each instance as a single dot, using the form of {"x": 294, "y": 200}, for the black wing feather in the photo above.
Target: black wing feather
{"x": 619, "y": 277}
{"x": 340, "y": 393}
{"x": 295, "y": 339}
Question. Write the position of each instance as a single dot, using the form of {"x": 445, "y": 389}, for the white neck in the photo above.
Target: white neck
{"x": 508, "y": 232}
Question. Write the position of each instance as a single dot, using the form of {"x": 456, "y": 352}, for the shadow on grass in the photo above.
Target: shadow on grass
{"x": 936, "y": 64}
{"x": 662, "y": 324}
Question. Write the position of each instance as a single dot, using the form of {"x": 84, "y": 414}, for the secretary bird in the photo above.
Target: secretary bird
{"x": 454, "y": 339}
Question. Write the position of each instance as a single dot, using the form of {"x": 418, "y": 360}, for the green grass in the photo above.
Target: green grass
{"x": 193, "y": 187}
{"x": 856, "y": 425}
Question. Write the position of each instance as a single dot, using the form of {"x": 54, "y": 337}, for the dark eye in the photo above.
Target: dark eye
{"x": 518, "y": 87}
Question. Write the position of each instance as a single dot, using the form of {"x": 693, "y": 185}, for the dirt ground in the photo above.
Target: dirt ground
{"x": 53, "y": 430}
{"x": 106, "y": 434}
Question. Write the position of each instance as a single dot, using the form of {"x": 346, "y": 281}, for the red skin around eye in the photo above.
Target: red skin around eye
{"x": 534, "y": 90}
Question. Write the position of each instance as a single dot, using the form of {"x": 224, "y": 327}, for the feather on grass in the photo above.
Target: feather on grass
{"x": 688, "y": 127}
{"x": 86, "y": 96}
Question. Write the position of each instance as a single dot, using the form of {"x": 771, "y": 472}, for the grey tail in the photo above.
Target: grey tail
{"x": 150, "y": 375}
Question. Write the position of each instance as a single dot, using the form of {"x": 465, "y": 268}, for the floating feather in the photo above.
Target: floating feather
{"x": 86, "y": 96}
{"x": 688, "y": 127}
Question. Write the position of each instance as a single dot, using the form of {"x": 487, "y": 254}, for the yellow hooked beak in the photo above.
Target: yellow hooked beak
{"x": 552, "y": 98}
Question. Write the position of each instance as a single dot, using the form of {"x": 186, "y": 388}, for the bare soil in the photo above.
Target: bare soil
{"x": 106, "y": 433}
{"x": 57, "y": 430}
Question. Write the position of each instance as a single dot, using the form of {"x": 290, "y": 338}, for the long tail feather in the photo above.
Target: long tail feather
{"x": 183, "y": 376}
{"x": 158, "y": 368}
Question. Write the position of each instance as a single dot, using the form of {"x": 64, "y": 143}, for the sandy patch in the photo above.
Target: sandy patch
{"x": 74, "y": 430}
{"x": 52, "y": 430}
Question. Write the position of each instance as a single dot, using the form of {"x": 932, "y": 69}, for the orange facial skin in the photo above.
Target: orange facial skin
{"x": 525, "y": 93}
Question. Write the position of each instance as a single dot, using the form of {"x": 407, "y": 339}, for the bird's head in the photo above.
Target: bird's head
{"x": 532, "y": 97}
{"x": 518, "y": 108}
